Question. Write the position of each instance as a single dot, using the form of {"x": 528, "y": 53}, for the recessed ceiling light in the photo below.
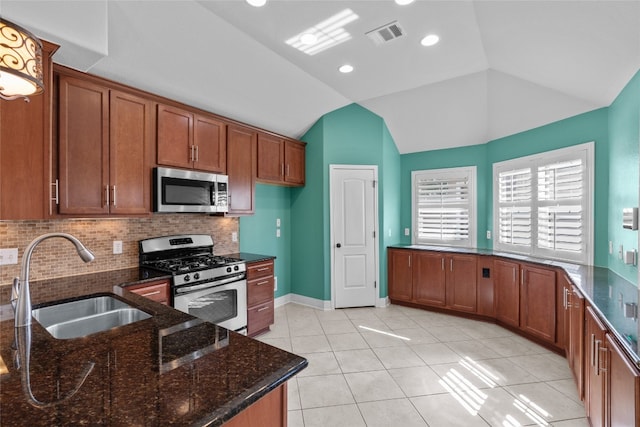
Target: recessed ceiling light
{"x": 346, "y": 68}
{"x": 308, "y": 38}
{"x": 404, "y": 2}
{"x": 328, "y": 33}
{"x": 257, "y": 3}
{"x": 430, "y": 40}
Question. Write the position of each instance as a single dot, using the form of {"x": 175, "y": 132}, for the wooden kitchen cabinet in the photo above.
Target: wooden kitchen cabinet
{"x": 241, "y": 168}
{"x": 538, "y": 302}
{"x": 595, "y": 365}
{"x": 157, "y": 290}
{"x": 433, "y": 279}
{"x": 190, "y": 140}
{"x": 280, "y": 161}
{"x": 575, "y": 349}
{"x": 400, "y": 275}
{"x": 25, "y": 148}
{"x": 260, "y": 288}
{"x": 429, "y": 278}
{"x": 270, "y": 410}
{"x": 623, "y": 387}
{"x": 105, "y": 138}
{"x": 507, "y": 291}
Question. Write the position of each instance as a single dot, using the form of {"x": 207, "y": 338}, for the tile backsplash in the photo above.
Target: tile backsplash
{"x": 57, "y": 258}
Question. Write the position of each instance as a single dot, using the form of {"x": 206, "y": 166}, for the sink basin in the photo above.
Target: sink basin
{"x": 76, "y": 319}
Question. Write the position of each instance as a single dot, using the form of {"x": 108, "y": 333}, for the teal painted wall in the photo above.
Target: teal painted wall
{"x": 624, "y": 137}
{"x": 350, "y": 135}
{"x": 474, "y": 155}
{"x": 591, "y": 126}
{"x": 258, "y": 232}
{"x": 307, "y": 216}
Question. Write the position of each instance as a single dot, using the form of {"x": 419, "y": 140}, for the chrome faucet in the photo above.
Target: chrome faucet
{"x": 20, "y": 295}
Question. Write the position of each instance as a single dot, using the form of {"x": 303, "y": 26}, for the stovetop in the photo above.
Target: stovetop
{"x": 189, "y": 264}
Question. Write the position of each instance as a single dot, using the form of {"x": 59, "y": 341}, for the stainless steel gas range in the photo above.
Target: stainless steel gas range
{"x": 208, "y": 286}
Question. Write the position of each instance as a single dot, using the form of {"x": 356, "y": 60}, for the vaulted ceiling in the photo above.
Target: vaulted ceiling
{"x": 500, "y": 67}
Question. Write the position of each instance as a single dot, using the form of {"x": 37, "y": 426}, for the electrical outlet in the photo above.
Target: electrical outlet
{"x": 488, "y": 234}
{"x": 277, "y": 222}
{"x": 406, "y": 232}
{"x": 621, "y": 252}
{"x": 277, "y": 232}
{"x": 8, "y": 256}
{"x": 117, "y": 247}
{"x": 275, "y": 283}
{"x": 234, "y": 236}
{"x": 610, "y": 247}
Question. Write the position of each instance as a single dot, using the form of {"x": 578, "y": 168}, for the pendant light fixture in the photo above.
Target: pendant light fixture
{"x": 20, "y": 62}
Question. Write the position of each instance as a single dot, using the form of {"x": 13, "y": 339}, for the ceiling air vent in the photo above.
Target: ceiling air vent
{"x": 386, "y": 33}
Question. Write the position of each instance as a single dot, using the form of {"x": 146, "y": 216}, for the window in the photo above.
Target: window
{"x": 542, "y": 204}
{"x": 444, "y": 206}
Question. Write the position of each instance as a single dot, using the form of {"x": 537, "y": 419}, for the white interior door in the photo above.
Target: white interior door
{"x": 353, "y": 230}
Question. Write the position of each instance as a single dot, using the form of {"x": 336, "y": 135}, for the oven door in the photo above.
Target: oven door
{"x": 225, "y": 305}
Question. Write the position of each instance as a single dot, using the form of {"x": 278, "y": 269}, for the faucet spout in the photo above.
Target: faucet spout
{"x": 21, "y": 294}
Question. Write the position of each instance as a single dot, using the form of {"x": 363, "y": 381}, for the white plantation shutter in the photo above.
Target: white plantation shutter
{"x": 542, "y": 204}
{"x": 444, "y": 203}
{"x": 514, "y": 215}
{"x": 560, "y": 219}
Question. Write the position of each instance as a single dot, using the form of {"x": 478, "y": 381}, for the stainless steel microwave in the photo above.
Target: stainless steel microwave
{"x": 179, "y": 190}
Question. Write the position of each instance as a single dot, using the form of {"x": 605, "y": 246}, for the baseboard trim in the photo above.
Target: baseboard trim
{"x": 317, "y": 303}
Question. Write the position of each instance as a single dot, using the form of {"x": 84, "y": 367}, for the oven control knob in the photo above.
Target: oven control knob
{"x": 228, "y": 269}
{"x": 236, "y": 268}
{"x": 187, "y": 278}
{"x": 196, "y": 276}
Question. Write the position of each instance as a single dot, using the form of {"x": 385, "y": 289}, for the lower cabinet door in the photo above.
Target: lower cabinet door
{"x": 594, "y": 392}
{"x": 623, "y": 387}
{"x": 260, "y": 317}
{"x": 507, "y": 292}
{"x": 429, "y": 285}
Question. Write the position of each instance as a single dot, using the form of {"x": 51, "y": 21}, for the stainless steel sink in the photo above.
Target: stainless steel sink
{"x": 87, "y": 316}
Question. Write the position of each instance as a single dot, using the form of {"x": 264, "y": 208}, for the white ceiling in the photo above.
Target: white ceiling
{"x": 501, "y": 67}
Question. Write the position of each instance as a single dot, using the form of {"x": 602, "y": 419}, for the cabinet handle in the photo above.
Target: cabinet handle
{"x": 592, "y": 349}
{"x": 262, "y": 269}
{"x": 262, "y": 309}
{"x": 107, "y": 194}
{"x": 150, "y": 293}
{"x": 564, "y": 298}
{"x": 282, "y": 169}
{"x": 197, "y": 153}
{"x": 114, "y": 195}
{"x": 522, "y": 278}
{"x": 602, "y": 352}
{"x": 191, "y": 156}
{"x": 287, "y": 169}
{"x": 56, "y": 198}
{"x": 409, "y": 261}
{"x": 596, "y": 356}
{"x": 451, "y": 264}
{"x": 442, "y": 264}
{"x": 514, "y": 275}
{"x": 262, "y": 283}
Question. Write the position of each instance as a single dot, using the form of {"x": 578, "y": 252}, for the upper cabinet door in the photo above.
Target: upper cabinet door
{"x": 83, "y": 147}
{"x": 131, "y": 139}
{"x": 175, "y": 137}
{"x": 241, "y": 168}
{"x": 210, "y": 144}
{"x": 270, "y": 158}
{"x": 294, "y": 155}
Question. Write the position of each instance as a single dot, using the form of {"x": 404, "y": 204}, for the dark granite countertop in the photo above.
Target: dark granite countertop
{"x": 169, "y": 369}
{"x": 606, "y": 291}
{"x": 249, "y": 257}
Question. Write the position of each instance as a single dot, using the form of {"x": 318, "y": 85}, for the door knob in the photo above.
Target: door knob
{"x": 338, "y": 245}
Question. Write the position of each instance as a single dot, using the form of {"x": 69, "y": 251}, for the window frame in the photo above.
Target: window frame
{"x": 471, "y": 174}
{"x": 585, "y": 151}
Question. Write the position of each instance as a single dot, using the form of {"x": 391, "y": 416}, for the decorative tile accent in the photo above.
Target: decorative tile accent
{"x": 56, "y": 257}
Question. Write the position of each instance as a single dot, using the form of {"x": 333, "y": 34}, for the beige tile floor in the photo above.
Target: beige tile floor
{"x": 399, "y": 366}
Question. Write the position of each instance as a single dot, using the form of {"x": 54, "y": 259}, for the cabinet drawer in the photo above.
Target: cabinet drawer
{"x": 259, "y": 290}
{"x": 260, "y": 317}
{"x": 156, "y": 291}
{"x": 259, "y": 269}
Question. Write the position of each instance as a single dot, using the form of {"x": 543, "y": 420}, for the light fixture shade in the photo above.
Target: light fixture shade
{"x": 20, "y": 62}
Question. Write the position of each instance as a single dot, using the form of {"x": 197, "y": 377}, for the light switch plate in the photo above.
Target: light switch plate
{"x": 117, "y": 247}
{"x": 8, "y": 256}
{"x": 234, "y": 236}
{"x": 406, "y": 231}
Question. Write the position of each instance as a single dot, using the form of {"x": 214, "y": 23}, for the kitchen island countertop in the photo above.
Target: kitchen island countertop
{"x": 169, "y": 369}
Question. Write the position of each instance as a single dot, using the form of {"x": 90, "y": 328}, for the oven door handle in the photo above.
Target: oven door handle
{"x": 213, "y": 284}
